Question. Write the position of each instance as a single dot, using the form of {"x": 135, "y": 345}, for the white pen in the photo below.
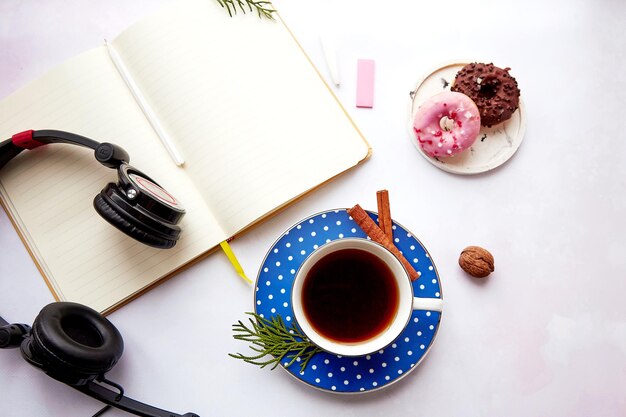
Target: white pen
{"x": 331, "y": 59}
{"x": 166, "y": 140}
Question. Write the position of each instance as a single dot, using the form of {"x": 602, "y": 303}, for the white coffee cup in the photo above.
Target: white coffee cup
{"x": 406, "y": 301}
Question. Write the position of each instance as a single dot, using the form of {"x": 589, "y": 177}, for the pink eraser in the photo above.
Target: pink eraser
{"x": 365, "y": 83}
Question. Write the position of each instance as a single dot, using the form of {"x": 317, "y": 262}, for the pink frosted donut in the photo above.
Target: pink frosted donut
{"x": 440, "y": 137}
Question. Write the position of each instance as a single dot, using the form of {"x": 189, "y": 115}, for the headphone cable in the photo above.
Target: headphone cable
{"x": 102, "y": 411}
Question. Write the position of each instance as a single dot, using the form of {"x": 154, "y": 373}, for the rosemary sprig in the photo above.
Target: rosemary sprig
{"x": 263, "y": 8}
{"x": 273, "y": 338}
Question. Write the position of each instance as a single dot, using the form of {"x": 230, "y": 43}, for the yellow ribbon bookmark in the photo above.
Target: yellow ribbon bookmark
{"x": 233, "y": 260}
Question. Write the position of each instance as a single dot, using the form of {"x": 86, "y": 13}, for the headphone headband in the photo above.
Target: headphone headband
{"x": 32, "y": 138}
{"x": 107, "y": 154}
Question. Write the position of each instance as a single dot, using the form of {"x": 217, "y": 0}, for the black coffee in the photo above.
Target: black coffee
{"x": 350, "y": 296}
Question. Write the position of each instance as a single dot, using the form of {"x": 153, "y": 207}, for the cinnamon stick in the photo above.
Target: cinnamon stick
{"x": 384, "y": 213}
{"x": 368, "y": 225}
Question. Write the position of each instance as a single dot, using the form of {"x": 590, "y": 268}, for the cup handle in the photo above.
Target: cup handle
{"x": 430, "y": 304}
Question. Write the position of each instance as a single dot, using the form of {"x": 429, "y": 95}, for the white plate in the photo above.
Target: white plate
{"x": 494, "y": 146}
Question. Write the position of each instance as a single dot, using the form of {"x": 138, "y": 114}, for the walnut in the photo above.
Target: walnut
{"x": 476, "y": 261}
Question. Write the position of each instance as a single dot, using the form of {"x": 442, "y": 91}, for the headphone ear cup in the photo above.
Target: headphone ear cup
{"x": 74, "y": 343}
{"x": 123, "y": 221}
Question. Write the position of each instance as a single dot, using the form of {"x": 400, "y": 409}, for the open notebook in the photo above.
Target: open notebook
{"x": 252, "y": 118}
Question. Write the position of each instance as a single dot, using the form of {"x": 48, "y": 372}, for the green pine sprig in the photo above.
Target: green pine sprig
{"x": 273, "y": 338}
{"x": 262, "y": 7}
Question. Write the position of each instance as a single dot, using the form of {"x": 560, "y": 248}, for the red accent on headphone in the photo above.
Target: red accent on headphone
{"x": 25, "y": 140}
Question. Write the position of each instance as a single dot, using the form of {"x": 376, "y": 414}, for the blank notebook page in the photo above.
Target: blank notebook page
{"x": 256, "y": 124}
{"x": 50, "y": 189}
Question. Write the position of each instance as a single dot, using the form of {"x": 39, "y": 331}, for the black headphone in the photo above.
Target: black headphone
{"x": 76, "y": 345}
{"x": 136, "y": 205}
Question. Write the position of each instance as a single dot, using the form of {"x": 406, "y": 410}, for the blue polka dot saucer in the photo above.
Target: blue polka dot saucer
{"x": 336, "y": 373}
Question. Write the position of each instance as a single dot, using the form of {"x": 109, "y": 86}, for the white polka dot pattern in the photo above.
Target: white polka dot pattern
{"x": 348, "y": 374}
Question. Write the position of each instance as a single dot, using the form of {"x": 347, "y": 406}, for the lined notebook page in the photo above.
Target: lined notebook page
{"x": 253, "y": 119}
{"x": 49, "y": 190}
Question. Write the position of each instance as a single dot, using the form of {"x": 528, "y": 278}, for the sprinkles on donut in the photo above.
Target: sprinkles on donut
{"x": 446, "y": 124}
{"x": 493, "y": 89}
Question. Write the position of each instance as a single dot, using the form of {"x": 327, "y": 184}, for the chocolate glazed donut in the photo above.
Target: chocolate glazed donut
{"x": 493, "y": 89}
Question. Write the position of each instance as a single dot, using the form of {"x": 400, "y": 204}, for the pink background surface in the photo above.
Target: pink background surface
{"x": 544, "y": 335}
{"x": 35, "y": 36}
